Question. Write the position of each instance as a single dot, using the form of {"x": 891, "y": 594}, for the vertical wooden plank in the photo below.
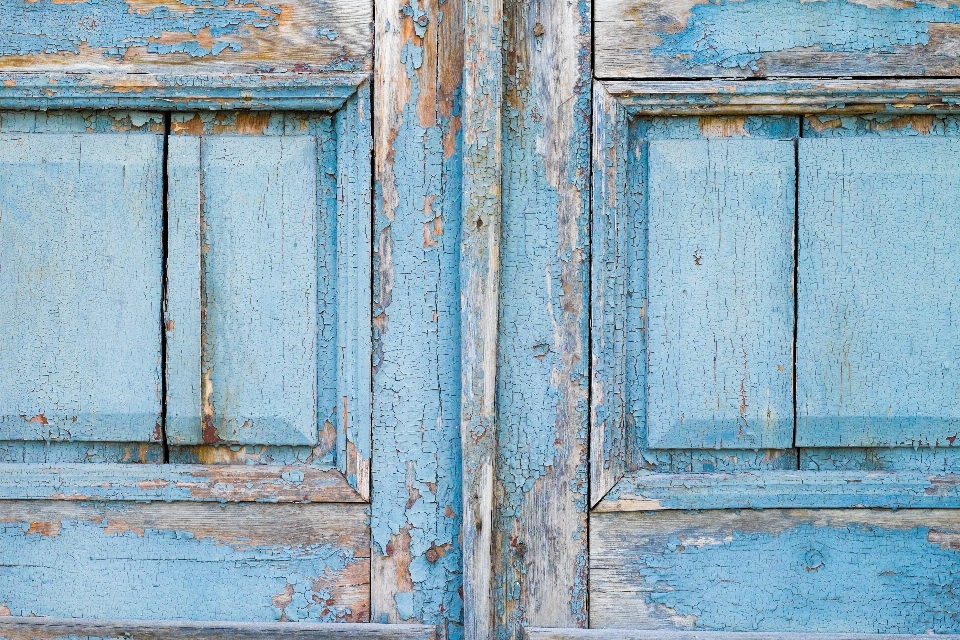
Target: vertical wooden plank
{"x": 877, "y": 333}
{"x": 80, "y": 286}
{"x": 721, "y": 224}
{"x": 354, "y": 274}
{"x": 416, "y": 502}
{"x": 182, "y": 311}
{"x": 612, "y": 226}
{"x": 542, "y": 369}
{"x": 479, "y": 286}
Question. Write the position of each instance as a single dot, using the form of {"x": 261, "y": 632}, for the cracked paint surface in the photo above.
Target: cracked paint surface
{"x": 416, "y": 493}
{"x": 778, "y": 570}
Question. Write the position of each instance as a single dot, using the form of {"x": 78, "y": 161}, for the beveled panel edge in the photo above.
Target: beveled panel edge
{"x": 174, "y": 483}
{"x": 645, "y": 491}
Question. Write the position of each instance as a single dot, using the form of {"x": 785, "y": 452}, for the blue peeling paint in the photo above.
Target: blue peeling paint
{"x": 810, "y": 579}
{"x": 43, "y": 27}
{"x": 736, "y": 35}
{"x": 77, "y": 569}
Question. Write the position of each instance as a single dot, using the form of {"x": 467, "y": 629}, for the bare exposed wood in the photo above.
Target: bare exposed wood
{"x": 53, "y": 629}
{"x": 479, "y": 287}
{"x": 135, "y": 36}
{"x": 174, "y": 483}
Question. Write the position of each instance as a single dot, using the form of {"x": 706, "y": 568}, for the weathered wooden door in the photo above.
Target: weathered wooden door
{"x": 186, "y": 335}
{"x": 471, "y": 318}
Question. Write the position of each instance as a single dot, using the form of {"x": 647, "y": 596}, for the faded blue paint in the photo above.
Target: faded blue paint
{"x": 45, "y": 26}
{"x": 732, "y": 34}
{"x": 882, "y": 125}
{"x": 108, "y": 569}
{"x": 720, "y": 294}
{"x": 855, "y": 578}
{"x": 879, "y": 250}
{"x": 80, "y": 285}
{"x": 417, "y": 502}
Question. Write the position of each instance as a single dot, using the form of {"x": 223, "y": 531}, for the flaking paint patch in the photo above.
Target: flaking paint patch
{"x": 736, "y": 35}
{"x": 75, "y": 573}
{"x": 114, "y": 26}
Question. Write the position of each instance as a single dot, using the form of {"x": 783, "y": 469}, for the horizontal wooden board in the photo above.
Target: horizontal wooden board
{"x": 155, "y": 36}
{"x": 59, "y": 628}
{"x": 185, "y": 561}
{"x": 644, "y": 491}
{"x": 174, "y": 483}
{"x": 542, "y": 633}
{"x": 780, "y": 570}
{"x": 758, "y": 38}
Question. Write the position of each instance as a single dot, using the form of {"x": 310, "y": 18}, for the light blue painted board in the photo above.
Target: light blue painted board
{"x": 80, "y": 286}
{"x": 258, "y": 288}
{"x": 238, "y": 562}
{"x": 807, "y": 571}
{"x": 720, "y": 270}
{"x": 877, "y": 336}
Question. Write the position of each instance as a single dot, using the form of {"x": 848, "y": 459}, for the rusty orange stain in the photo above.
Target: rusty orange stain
{"x": 149, "y": 485}
{"x": 252, "y": 122}
{"x": 282, "y": 600}
{"x": 723, "y": 127}
{"x": 191, "y": 127}
{"x": 119, "y": 527}
{"x": 9, "y": 83}
{"x": 45, "y": 529}
{"x": 37, "y": 419}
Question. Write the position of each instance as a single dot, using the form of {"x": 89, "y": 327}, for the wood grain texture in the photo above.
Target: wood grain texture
{"x": 543, "y": 361}
{"x": 875, "y": 360}
{"x": 80, "y": 283}
{"x": 56, "y": 629}
{"x": 480, "y": 292}
{"x": 136, "y": 36}
{"x": 777, "y": 570}
{"x": 534, "y": 633}
{"x": 185, "y": 561}
{"x": 173, "y": 483}
{"x": 823, "y": 488}
{"x": 759, "y": 38}
{"x": 416, "y": 503}
{"x": 720, "y": 294}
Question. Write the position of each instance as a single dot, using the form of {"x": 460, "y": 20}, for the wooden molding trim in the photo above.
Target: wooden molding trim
{"x": 12, "y": 628}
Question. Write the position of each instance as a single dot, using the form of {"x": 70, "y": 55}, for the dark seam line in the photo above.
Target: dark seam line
{"x": 796, "y": 275}
{"x": 164, "y": 197}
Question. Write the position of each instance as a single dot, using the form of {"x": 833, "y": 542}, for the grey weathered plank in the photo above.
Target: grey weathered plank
{"x": 757, "y": 38}
{"x": 776, "y": 570}
{"x": 235, "y": 562}
{"x": 543, "y": 379}
{"x": 541, "y": 633}
{"x": 173, "y": 483}
{"x": 55, "y": 629}
{"x": 480, "y": 292}
{"x": 134, "y": 37}
{"x": 644, "y": 491}
{"x": 416, "y": 501}
{"x": 80, "y": 240}
{"x": 720, "y": 294}
{"x": 876, "y": 332}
